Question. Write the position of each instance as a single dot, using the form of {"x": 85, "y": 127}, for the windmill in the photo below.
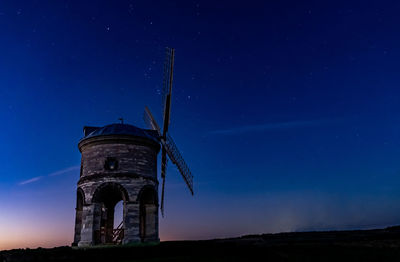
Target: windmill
{"x": 168, "y": 147}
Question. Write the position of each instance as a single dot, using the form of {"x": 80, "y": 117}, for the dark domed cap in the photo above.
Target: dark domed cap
{"x": 119, "y": 129}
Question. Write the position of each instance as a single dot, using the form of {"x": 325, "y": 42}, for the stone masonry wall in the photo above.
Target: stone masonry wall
{"x": 137, "y": 169}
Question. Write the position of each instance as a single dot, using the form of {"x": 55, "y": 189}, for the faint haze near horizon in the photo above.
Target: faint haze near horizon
{"x": 50, "y": 224}
{"x": 287, "y": 112}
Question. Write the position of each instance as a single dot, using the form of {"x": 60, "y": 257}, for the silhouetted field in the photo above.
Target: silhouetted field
{"x": 362, "y": 245}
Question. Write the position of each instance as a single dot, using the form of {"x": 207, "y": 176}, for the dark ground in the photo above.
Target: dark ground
{"x": 362, "y": 245}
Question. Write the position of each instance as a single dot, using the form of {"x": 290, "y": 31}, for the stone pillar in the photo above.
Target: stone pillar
{"x": 151, "y": 223}
{"x": 87, "y": 226}
{"x": 131, "y": 223}
{"x": 78, "y": 226}
{"x": 97, "y": 219}
{"x": 109, "y": 224}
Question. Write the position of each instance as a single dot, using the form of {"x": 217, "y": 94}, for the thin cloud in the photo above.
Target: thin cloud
{"x": 63, "y": 171}
{"x": 56, "y": 173}
{"x": 34, "y": 179}
{"x": 268, "y": 126}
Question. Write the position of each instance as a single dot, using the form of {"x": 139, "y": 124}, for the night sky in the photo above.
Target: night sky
{"x": 287, "y": 112}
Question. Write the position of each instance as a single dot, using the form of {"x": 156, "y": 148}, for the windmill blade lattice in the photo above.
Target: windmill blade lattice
{"x": 167, "y": 144}
{"x": 177, "y": 159}
{"x": 167, "y": 85}
{"x": 164, "y": 162}
{"x": 166, "y": 76}
{"x": 172, "y": 151}
{"x": 150, "y": 121}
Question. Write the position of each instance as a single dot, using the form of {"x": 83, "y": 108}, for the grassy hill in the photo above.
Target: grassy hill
{"x": 360, "y": 245}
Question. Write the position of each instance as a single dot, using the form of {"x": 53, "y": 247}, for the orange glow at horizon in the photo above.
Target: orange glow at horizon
{"x": 21, "y": 231}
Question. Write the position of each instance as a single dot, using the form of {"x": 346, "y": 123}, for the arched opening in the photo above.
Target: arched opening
{"x": 148, "y": 213}
{"x": 118, "y": 214}
{"x": 80, "y": 201}
{"x": 106, "y": 198}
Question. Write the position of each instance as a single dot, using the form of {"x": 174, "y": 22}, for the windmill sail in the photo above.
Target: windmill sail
{"x": 167, "y": 89}
{"x": 171, "y": 150}
{"x": 164, "y": 162}
{"x": 166, "y": 75}
{"x": 177, "y": 159}
{"x": 168, "y": 146}
{"x": 150, "y": 121}
{"x": 169, "y": 74}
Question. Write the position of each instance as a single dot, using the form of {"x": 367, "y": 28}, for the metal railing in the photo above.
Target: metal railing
{"x": 118, "y": 234}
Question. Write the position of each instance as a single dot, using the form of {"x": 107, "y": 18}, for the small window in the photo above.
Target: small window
{"x": 111, "y": 164}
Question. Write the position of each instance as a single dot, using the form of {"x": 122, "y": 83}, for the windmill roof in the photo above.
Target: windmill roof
{"x": 119, "y": 129}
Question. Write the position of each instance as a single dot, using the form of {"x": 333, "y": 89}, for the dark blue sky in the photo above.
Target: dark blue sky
{"x": 287, "y": 112}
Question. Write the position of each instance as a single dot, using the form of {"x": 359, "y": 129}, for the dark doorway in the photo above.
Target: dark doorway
{"x": 106, "y": 197}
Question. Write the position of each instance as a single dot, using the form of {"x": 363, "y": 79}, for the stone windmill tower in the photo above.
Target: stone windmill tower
{"x": 119, "y": 163}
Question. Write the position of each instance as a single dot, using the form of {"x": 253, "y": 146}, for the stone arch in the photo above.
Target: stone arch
{"x": 148, "y": 214}
{"x": 98, "y": 194}
{"x": 80, "y": 202}
{"x": 147, "y": 189}
{"x": 80, "y": 199}
{"x": 104, "y": 199}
